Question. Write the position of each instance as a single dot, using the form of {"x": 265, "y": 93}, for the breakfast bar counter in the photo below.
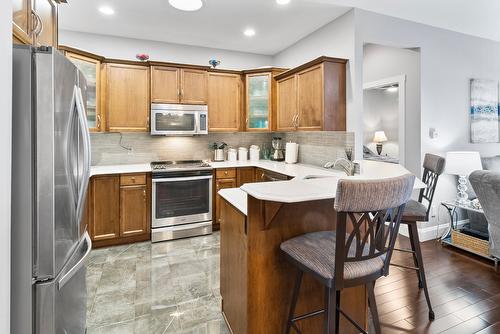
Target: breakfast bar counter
{"x": 256, "y": 282}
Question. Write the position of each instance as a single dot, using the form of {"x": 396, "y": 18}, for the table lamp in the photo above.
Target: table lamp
{"x": 379, "y": 138}
{"x": 462, "y": 164}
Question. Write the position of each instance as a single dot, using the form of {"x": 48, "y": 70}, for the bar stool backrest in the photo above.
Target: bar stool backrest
{"x": 368, "y": 217}
{"x": 433, "y": 167}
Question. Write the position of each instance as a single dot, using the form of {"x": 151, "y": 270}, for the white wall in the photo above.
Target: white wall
{"x": 5, "y": 149}
{"x": 381, "y": 62}
{"x": 381, "y": 113}
{"x": 336, "y": 39}
{"x": 127, "y": 48}
{"x": 448, "y": 61}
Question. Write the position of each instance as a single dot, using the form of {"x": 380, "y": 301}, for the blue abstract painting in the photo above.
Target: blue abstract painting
{"x": 484, "y": 118}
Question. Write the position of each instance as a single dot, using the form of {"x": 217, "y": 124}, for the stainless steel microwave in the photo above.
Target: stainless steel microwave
{"x": 179, "y": 119}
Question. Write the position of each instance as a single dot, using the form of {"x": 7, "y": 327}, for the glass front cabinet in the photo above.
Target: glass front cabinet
{"x": 258, "y": 104}
{"x": 91, "y": 69}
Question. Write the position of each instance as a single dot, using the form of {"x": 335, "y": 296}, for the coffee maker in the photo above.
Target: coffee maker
{"x": 278, "y": 150}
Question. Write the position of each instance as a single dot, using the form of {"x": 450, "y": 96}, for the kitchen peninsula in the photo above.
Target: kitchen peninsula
{"x": 256, "y": 283}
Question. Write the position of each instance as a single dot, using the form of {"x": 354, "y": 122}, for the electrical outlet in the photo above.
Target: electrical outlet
{"x": 433, "y": 211}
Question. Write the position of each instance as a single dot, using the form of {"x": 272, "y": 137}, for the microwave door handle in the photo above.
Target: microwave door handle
{"x": 197, "y": 123}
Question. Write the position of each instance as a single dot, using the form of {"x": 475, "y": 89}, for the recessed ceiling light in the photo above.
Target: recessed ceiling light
{"x": 106, "y": 10}
{"x": 249, "y": 32}
{"x": 282, "y": 2}
{"x": 186, "y": 5}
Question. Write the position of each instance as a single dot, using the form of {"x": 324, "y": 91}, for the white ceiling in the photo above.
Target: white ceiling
{"x": 220, "y": 23}
{"x": 473, "y": 17}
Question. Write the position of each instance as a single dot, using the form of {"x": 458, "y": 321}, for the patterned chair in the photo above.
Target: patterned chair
{"x": 418, "y": 211}
{"x": 357, "y": 253}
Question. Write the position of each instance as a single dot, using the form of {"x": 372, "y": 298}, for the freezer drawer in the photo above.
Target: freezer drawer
{"x": 61, "y": 303}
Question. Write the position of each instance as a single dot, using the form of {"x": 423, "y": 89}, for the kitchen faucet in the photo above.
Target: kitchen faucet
{"x": 346, "y": 165}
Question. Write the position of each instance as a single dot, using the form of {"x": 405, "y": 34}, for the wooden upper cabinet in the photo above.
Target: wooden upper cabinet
{"x": 178, "y": 85}
{"x": 310, "y": 98}
{"x": 287, "y": 104}
{"x": 127, "y": 97}
{"x": 21, "y": 21}
{"x": 165, "y": 84}
{"x": 46, "y": 10}
{"x": 193, "y": 86}
{"x": 224, "y": 101}
{"x": 317, "y": 92}
{"x": 105, "y": 207}
{"x": 35, "y": 22}
{"x": 133, "y": 210}
{"x": 91, "y": 69}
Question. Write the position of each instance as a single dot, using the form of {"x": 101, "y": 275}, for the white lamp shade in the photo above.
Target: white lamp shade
{"x": 462, "y": 163}
{"x": 379, "y": 137}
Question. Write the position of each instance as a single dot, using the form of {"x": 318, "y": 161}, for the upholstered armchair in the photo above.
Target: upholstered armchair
{"x": 486, "y": 185}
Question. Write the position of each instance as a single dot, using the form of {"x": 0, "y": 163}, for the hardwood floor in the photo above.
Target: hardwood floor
{"x": 464, "y": 290}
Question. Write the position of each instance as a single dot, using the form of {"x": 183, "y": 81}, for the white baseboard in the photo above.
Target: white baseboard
{"x": 430, "y": 232}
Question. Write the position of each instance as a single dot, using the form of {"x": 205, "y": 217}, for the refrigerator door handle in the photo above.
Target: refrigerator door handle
{"x": 86, "y": 153}
{"x": 67, "y": 277}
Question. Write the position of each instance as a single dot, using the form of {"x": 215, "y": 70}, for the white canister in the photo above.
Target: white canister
{"x": 254, "y": 153}
{"x": 232, "y": 154}
{"x": 242, "y": 154}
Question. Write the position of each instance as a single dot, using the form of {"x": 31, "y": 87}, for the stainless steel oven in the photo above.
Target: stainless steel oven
{"x": 181, "y": 202}
{"x": 179, "y": 119}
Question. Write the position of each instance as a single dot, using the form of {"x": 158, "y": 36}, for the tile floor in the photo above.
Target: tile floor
{"x": 168, "y": 287}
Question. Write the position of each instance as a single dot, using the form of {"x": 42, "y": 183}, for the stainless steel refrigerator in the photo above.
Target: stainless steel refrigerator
{"x": 50, "y": 175}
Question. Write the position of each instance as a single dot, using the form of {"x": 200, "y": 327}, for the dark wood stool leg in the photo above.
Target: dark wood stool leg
{"x": 337, "y": 313}
{"x": 420, "y": 266}
{"x": 373, "y": 306}
{"x": 295, "y": 296}
{"x": 414, "y": 254}
{"x": 330, "y": 310}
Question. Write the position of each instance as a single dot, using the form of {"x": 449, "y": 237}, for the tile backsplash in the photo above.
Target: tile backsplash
{"x": 318, "y": 147}
{"x": 111, "y": 148}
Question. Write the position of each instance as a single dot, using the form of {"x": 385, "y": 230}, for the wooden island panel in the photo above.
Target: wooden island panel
{"x": 257, "y": 282}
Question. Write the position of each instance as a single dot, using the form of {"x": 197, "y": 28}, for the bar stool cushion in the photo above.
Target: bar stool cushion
{"x": 414, "y": 211}
{"x": 316, "y": 251}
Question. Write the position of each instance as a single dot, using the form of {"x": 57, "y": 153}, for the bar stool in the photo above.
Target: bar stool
{"x": 357, "y": 253}
{"x": 417, "y": 211}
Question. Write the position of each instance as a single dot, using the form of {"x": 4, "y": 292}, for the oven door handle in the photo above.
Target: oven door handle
{"x": 177, "y": 179}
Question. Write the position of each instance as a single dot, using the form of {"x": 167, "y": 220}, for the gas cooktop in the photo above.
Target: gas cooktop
{"x": 162, "y": 166}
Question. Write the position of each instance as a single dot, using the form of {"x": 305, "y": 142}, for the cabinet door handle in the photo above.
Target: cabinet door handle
{"x": 144, "y": 194}
{"x": 39, "y": 25}
{"x": 98, "y": 122}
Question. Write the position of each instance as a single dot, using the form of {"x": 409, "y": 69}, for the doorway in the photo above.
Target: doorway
{"x": 384, "y": 120}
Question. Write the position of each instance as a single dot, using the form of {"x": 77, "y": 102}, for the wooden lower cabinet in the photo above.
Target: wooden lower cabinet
{"x": 133, "y": 210}
{"x": 235, "y": 178}
{"x": 221, "y": 184}
{"x": 263, "y": 175}
{"x": 119, "y": 213}
{"x": 105, "y": 208}
{"x": 245, "y": 175}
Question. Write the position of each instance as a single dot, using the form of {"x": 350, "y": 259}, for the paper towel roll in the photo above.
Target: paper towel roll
{"x": 291, "y": 153}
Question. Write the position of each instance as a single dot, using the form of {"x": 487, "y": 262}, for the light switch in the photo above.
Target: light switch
{"x": 433, "y": 134}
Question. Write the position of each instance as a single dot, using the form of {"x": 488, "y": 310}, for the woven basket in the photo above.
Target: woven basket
{"x": 474, "y": 244}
